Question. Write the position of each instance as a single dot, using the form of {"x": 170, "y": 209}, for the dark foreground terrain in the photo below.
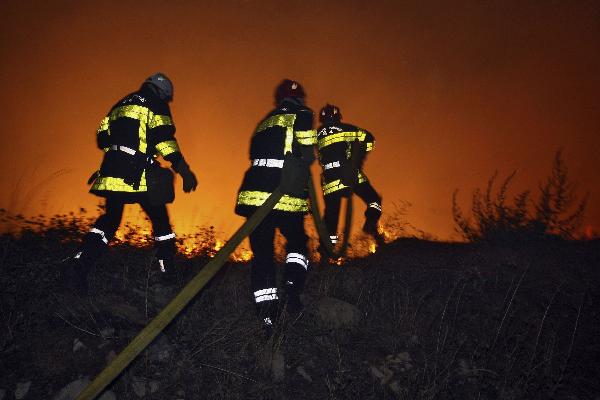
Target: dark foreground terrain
{"x": 416, "y": 320}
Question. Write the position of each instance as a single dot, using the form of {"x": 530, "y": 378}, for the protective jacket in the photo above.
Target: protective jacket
{"x": 336, "y": 143}
{"x": 288, "y": 128}
{"x": 136, "y": 130}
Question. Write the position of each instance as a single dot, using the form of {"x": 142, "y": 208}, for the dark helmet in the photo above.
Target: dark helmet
{"x": 289, "y": 88}
{"x": 163, "y": 85}
{"x": 330, "y": 114}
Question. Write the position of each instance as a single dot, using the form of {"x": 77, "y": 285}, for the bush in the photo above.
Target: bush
{"x": 556, "y": 213}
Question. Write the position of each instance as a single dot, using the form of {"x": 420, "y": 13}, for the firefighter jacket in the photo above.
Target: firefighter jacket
{"x": 336, "y": 144}
{"x": 136, "y": 130}
{"x": 288, "y": 128}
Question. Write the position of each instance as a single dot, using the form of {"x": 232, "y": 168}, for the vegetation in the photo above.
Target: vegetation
{"x": 555, "y": 213}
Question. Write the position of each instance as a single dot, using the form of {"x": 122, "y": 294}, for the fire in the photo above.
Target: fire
{"x": 241, "y": 256}
{"x": 387, "y": 235}
{"x": 373, "y": 248}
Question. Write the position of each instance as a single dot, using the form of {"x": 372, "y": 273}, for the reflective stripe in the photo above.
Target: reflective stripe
{"x": 286, "y": 203}
{"x": 164, "y": 237}
{"x": 112, "y": 184}
{"x": 167, "y": 147}
{"x": 333, "y": 238}
{"x": 139, "y": 113}
{"x": 267, "y": 294}
{"x": 330, "y": 165}
{"x": 101, "y": 233}
{"x": 159, "y": 120}
{"x": 298, "y": 259}
{"x": 161, "y": 263}
{"x": 103, "y": 125}
{"x": 336, "y": 185}
{"x": 78, "y": 255}
{"x": 370, "y": 146}
{"x": 307, "y": 137}
{"x": 376, "y": 206}
{"x": 342, "y": 137}
{"x": 123, "y": 149}
{"x": 285, "y": 121}
{"x": 267, "y": 162}
{"x": 268, "y": 321}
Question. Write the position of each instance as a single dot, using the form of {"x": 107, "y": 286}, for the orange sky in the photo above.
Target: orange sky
{"x": 451, "y": 92}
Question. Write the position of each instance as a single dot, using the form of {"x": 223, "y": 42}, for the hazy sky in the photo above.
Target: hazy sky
{"x": 452, "y": 92}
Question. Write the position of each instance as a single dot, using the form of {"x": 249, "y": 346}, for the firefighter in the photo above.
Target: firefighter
{"x": 135, "y": 131}
{"x": 287, "y": 131}
{"x": 342, "y": 151}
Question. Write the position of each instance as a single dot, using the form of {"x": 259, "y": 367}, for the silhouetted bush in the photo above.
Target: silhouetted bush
{"x": 556, "y": 212}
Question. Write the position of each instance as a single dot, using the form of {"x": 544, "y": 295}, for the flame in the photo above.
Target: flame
{"x": 337, "y": 261}
{"x": 373, "y": 248}
{"x": 387, "y": 235}
{"x": 242, "y": 256}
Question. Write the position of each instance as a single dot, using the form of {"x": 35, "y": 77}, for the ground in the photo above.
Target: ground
{"x": 416, "y": 320}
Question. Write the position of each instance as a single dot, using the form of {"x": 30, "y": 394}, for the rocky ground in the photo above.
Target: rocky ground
{"x": 416, "y": 320}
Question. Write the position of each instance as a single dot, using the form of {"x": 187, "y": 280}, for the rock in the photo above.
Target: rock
{"x": 302, "y": 372}
{"x": 22, "y": 390}
{"x": 78, "y": 345}
{"x": 352, "y": 281}
{"x": 161, "y": 349}
{"x": 337, "y": 314}
{"x": 107, "y": 332}
{"x": 140, "y": 386}
{"x": 71, "y": 391}
{"x": 128, "y": 313}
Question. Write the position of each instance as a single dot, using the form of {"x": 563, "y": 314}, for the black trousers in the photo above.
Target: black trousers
{"x": 97, "y": 239}
{"x": 263, "y": 273}
{"x": 365, "y": 192}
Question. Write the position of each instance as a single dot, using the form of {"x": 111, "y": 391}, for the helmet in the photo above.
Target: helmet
{"x": 329, "y": 114}
{"x": 289, "y": 88}
{"x": 163, "y": 84}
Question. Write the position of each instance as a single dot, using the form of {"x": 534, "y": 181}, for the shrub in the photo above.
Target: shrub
{"x": 555, "y": 213}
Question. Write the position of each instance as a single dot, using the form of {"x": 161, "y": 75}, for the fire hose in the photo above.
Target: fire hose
{"x": 160, "y": 322}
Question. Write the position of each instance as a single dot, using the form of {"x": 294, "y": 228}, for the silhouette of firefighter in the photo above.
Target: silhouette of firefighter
{"x": 285, "y": 135}
{"x": 342, "y": 152}
{"x": 136, "y": 130}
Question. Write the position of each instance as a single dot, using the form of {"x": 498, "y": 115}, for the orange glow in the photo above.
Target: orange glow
{"x": 589, "y": 232}
{"x": 373, "y": 248}
{"x": 450, "y": 95}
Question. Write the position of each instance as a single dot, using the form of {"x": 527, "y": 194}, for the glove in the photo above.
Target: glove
{"x": 189, "y": 179}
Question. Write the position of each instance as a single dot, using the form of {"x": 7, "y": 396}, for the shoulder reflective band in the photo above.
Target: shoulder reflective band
{"x": 124, "y": 149}
{"x": 167, "y": 147}
{"x": 298, "y": 259}
{"x": 370, "y": 146}
{"x": 267, "y": 162}
{"x": 335, "y": 164}
{"x": 376, "y": 206}
{"x": 101, "y": 233}
{"x": 285, "y": 121}
{"x": 286, "y": 203}
{"x": 164, "y": 237}
{"x": 307, "y": 137}
{"x": 113, "y": 184}
{"x": 268, "y": 294}
{"x": 103, "y": 125}
{"x": 341, "y": 137}
{"x": 159, "y": 120}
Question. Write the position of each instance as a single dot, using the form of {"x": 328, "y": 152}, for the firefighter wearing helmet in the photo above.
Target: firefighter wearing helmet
{"x": 137, "y": 129}
{"x": 286, "y": 131}
{"x": 342, "y": 151}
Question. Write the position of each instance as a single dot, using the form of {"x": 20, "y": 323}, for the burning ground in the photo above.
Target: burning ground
{"x": 415, "y": 320}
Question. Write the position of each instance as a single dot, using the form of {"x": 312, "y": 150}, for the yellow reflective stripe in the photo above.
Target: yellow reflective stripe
{"x": 370, "y": 146}
{"x": 336, "y": 185}
{"x": 285, "y": 121}
{"x": 113, "y": 184}
{"x": 140, "y": 113}
{"x": 341, "y": 137}
{"x": 160, "y": 120}
{"x": 167, "y": 147}
{"x": 287, "y": 203}
{"x": 307, "y": 137}
{"x": 106, "y": 149}
{"x": 103, "y": 125}
{"x": 333, "y": 186}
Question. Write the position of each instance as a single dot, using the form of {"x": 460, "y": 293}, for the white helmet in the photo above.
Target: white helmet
{"x": 163, "y": 84}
